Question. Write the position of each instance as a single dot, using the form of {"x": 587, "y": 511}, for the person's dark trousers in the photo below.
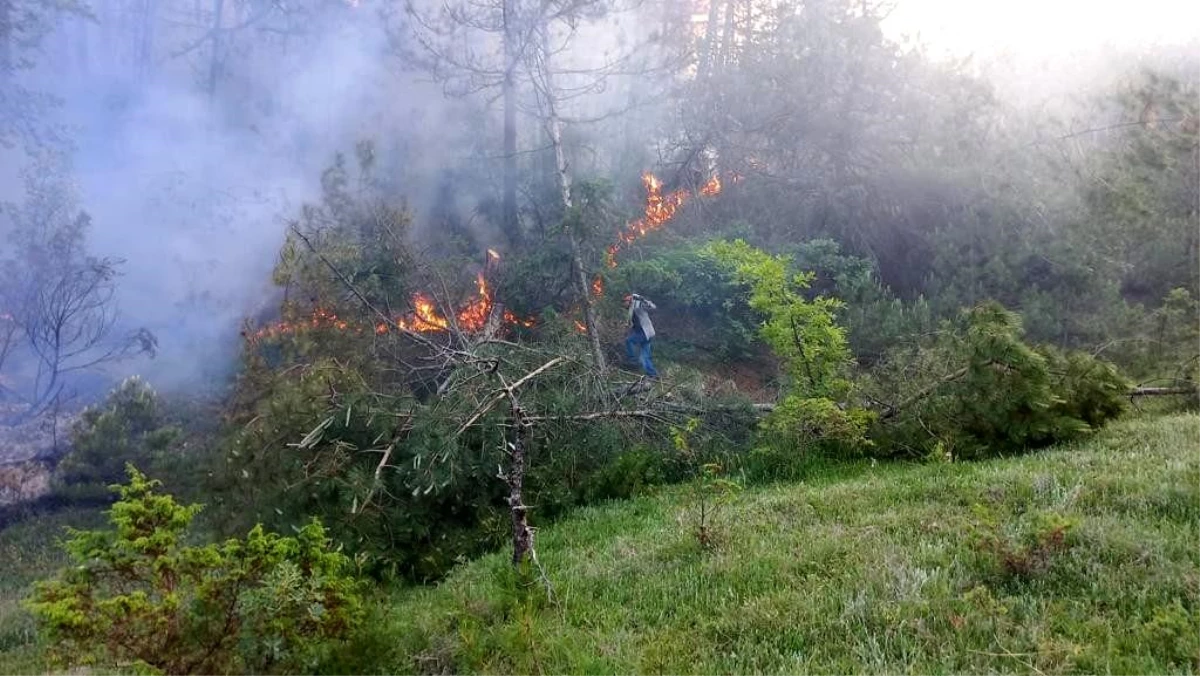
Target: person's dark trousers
{"x": 637, "y": 340}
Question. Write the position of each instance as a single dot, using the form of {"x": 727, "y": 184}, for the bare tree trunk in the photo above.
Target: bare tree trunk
{"x": 710, "y": 40}
{"x": 578, "y": 273}
{"x": 522, "y": 536}
{"x": 521, "y": 425}
{"x": 510, "y": 224}
{"x": 727, "y": 35}
{"x": 214, "y": 66}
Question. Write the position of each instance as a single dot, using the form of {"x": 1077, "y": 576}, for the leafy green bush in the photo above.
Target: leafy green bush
{"x": 628, "y": 475}
{"x": 701, "y": 304}
{"x": 140, "y": 593}
{"x": 873, "y": 317}
{"x": 979, "y": 390}
{"x": 805, "y": 335}
{"x": 128, "y": 427}
{"x": 817, "y": 424}
{"x": 1088, "y": 389}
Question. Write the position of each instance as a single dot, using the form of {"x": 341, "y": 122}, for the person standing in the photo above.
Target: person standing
{"x": 641, "y": 334}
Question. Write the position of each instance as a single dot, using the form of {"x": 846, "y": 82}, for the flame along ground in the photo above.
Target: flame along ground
{"x": 473, "y": 316}
{"x": 659, "y": 209}
{"x": 425, "y": 317}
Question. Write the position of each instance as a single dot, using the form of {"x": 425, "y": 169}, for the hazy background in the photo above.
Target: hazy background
{"x": 192, "y": 185}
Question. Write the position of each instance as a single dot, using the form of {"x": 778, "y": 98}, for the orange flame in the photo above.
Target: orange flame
{"x": 424, "y": 318}
{"x": 580, "y": 327}
{"x": 320, "y": 318}
{"x": 475, "y": 314}
{"x": 597, "y": 287}
{"x": 659, "y": 209}
{"x": 493, "y": 255}
{"x": 512, "y": 318}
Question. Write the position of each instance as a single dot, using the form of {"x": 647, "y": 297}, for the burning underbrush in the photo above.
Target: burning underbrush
{"x": 480, "y": 312}
{"x": 477, "y": 313}
{"x": 659, "y": 210}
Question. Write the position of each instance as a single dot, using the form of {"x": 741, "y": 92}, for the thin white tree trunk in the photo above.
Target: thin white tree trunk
{"x": 554, "y": 124}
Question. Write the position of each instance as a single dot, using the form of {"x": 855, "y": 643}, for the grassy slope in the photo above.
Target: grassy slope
{"x": 30, "y": 551}
{"x": 889, "y": 571}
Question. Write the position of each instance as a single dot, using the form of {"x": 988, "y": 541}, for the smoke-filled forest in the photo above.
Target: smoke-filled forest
{"x": 598, "y": 336}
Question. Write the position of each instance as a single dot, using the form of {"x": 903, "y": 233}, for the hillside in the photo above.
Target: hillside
{"x": 1078, "y": 559}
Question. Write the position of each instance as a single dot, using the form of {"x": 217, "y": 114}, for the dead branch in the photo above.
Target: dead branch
{"x": 506, "y": 391}
{"x": 390, "y": 322}
{"x": 1163, "y": 391}
{"x": 598, "y": 415}
{"x": 893, "y": 410}
{"x": 387, "y": 455}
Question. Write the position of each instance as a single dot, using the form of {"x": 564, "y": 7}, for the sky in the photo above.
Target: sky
{"x": 1043, "y": 30}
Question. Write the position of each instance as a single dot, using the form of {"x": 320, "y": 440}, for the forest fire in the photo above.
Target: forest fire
{"x": 471, "y": 318}
{"x": 425, "y": 317}
{"x": 659, "y": 209}
{"x": 475, "y": 314}
{"x": 320, "y": 318}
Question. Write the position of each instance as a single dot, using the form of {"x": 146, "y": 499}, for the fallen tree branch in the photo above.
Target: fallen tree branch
{"x": 893, "y": 410}
{"x": 387, "y": 455}
{"x": 597, "y": 415}
{"x": 389, "y": 321}
{"x": 1162, "y": 391}
{"x": 506, "y": 391}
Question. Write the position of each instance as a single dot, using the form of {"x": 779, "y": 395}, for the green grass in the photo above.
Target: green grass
{"x": 30, "y": 550}
{"x": 1076, "y": 559}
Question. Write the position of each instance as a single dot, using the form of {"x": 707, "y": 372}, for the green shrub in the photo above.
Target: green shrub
{"x": 701, "y": 304}
{"x": 979, "y": 390}
{"x": 629, "y": 474}
{"x": 1014, "y": 549}
{"x": 801, "y": 430}
{"x": 1089, "y": 389}
{"x": 873, "y": 317}
{"x": 128, "y": 427}
{"x": 139, "y": 593}
{"x": 805, "y": 335}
